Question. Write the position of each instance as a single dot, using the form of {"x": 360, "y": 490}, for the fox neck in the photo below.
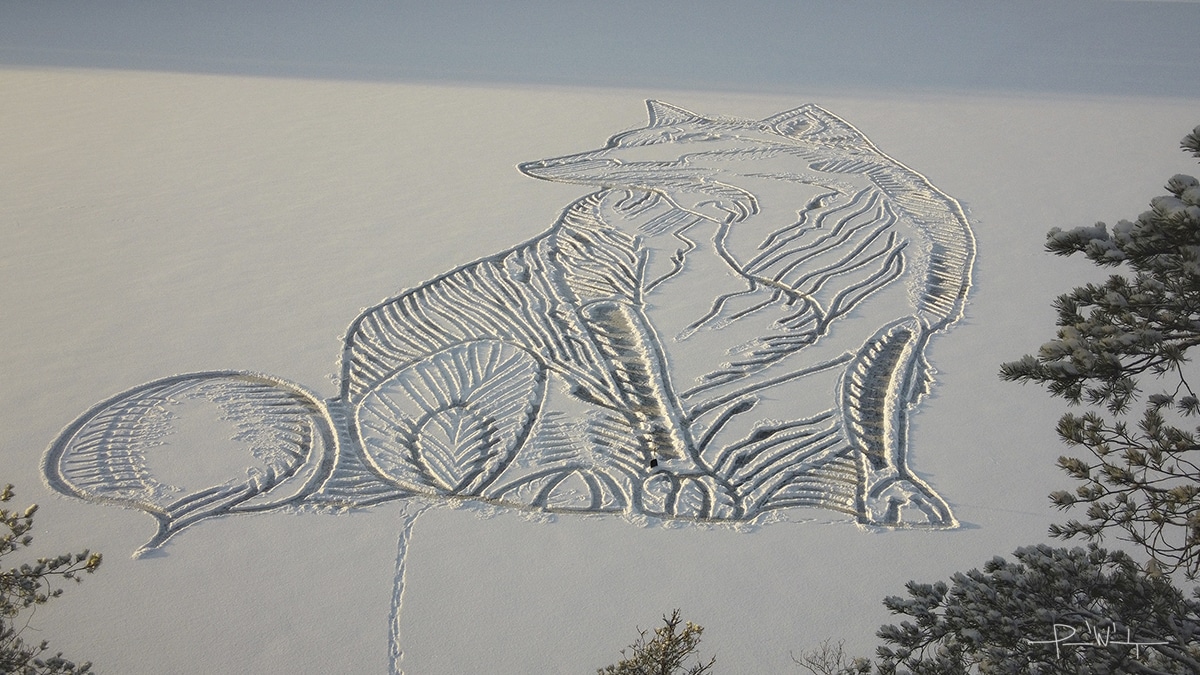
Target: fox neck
{"x": 645, "y": 226}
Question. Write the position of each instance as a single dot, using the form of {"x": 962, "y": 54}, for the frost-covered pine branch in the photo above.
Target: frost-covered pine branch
{"x": 28, "y": 585}
{"x": 1048, "y": 610}
{"x": 1012, "y": 617}
{"x": 1124, "y": 342}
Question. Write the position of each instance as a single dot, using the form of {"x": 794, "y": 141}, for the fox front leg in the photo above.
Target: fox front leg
{"x": 878, "y": 389}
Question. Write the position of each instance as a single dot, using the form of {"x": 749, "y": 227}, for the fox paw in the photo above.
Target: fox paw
{"x": 904, "y": 503}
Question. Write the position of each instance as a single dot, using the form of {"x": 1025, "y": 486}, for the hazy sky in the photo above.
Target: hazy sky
{"x": 1072, "y": 46}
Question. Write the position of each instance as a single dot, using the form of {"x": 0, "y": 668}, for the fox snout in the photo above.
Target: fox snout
{"x": 691, "y": 188}
{"x": 589, "y": 168}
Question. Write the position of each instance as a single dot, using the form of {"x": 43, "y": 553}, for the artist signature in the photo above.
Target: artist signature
{"x": 1066, "y": 635}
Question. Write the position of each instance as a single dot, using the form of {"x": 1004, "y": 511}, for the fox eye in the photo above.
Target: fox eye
{"x": 634, "y": 140}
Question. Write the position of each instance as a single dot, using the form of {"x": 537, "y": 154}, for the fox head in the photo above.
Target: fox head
{"x": 699, "y": 163}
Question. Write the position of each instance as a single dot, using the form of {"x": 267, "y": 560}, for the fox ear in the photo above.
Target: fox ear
{"x": 813, "y": 123}
{"x": 793, "y": 123}
{"x": 665, "y": 114}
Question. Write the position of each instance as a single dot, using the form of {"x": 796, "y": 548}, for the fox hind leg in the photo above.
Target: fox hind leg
{"x": 450, "y": 423}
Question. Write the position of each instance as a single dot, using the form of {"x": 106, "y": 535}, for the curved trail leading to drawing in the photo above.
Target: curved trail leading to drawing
{"x": 733, "y": 323}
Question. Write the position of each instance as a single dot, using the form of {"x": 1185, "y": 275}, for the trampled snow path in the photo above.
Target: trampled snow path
{"x": 734, "y": 325}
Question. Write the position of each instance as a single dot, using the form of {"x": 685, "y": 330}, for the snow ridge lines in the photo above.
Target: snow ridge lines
{"x": 732, "y": 323}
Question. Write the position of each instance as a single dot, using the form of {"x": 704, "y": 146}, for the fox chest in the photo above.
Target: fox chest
{"x": 689, "y": 290}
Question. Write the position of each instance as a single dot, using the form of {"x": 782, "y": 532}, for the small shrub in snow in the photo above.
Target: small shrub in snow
{"x": 664, "y": 654}
{"x": 831, "y": 659}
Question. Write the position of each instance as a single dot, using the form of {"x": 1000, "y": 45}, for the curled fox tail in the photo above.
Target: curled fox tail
{"x": 195, "y": 446}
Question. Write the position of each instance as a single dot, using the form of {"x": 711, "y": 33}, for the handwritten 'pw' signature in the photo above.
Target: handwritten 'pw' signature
{"x": 1065, "y": 636}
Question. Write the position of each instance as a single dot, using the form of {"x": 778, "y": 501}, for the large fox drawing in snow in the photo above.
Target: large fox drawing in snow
{"x": 732, "y": 324}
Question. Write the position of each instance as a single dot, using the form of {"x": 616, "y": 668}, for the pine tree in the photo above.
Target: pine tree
{"x": 1117, "y": 342}
{"x": 1125, "y": 342}
{"x": 1053, "y": 610}
{"x": 24, "y": 587}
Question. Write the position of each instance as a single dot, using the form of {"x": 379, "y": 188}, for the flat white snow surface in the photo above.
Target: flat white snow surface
{"x": 218, "y": 189}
